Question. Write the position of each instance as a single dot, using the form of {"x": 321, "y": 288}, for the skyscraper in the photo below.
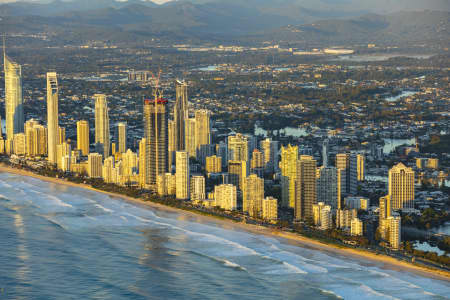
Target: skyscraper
{"x": 156, "y": 148}
{"x": 226, "y": 196}
{"x": 13, "y": 97}
{"x": 121, "y": 137}
{"x": 202, "y": 128}
{"x": 213, "y": 164}
{"x": 328, "y": 190}
{"x": 83, "y": 137}
{"x": 305, "y": 188}
{"x": 288, "y": 166}
{"x": 238, "y": 147}
{"x": 182, "y": 175}
{"x": 142, "y": 164}
{"x": 197, "y": 186}
{"x": 325, "y": 150}
{"x": 52, "y": 116}
{"x": 348, "y": 163}
{"x": 270, "y": 209}
{"x": 270, "y": 151}
{"x": 401, "y": 187}
{"x": 189, "y": 138}
{"x": 361, "y": 164}
{"x": 95, "y": 165}
{"x": 257, "y": 163}
{"x": 238, "y": 168}
{"x": 253, "y": 195}
{"x": 180, "y": 114}
{"x": 171, "y": 131}
{"x": 102, "y": 124}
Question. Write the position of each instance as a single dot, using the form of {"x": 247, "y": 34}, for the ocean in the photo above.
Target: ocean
{"x": 62, "y": 242}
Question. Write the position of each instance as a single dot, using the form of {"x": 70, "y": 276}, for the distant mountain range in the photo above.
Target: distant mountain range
{"x": 319, "y": 20}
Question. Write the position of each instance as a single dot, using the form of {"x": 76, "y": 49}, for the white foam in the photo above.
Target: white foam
{"x": 331, "y": 293}
{"x": 104, "y": 208}
{"x": 59, "y": 201}
{"x": 375, "y": 293}
{"x": 230, "y": 264}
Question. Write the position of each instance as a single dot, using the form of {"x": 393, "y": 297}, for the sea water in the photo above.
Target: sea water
{"x": 62, "y": 242}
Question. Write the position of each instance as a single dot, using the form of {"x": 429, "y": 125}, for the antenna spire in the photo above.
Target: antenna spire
{"x": 4, "y": 47}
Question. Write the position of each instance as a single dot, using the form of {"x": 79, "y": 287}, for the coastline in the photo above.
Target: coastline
{"x": 387, "y": 261}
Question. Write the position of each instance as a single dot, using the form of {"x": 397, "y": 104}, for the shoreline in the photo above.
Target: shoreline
{"x": 387, "y": 261}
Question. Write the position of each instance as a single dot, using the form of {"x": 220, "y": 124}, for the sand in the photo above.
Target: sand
{"x": 369, "y": 257}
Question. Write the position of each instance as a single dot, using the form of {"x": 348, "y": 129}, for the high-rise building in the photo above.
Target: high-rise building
{"x": 142, "y": 164}
{"x": 52, "y": 116}
{"x": 305, "y": 186}
{"x": 155, "y": 122}
{"x": 348, "y": 163}
{"x": 94, "y": 169}
{"x": 343, "y": 164}
{"x": 257, "y": 163}
{"x": 226, "y": 196}
{"x": 328, "y": 187}
{"x": 62, "y": 150}
{"x": 197, "y": 188}
{"x": 19, "y": 144}
{"x": 385, "y": 211}
{"x": 61, "y": 135}
{"x": 102, "y": 124}
{"x": 181, "y": 114}
{"x": 83, "y": 137}
{"x": 129, "y": 163}
{"x": 356, "y": 227}
{"x": 13, "y": 97}
{"x": 322, "y": 216}
{"x": 357, "y": 202}
{"x": 213, "y": 164}
{"x": 189, "y": 139}
{"x": 222, "y": 151}
{"x": 288, "y": 166}
{"x": 202, "y": 128}
{"x": 270, "y": 151}
{"x": 35, "y": 139}
{"x": 167, "y": 184}
{"x": 270, "y": 209}
{"x": 401, "y": 187}
{"x": 239, "y": 169}
{"x": 171, "y": 130}
{"x": 361, "y": 163}
{"x": 238, "y": 147}
{"x": 395, "y": 231}
{"x": 326, "y": 218}
{"x": 344, "y": 217}
{"x": 253, "y": 195}
{"x": 121, "y": 137}
{"x": 107, "y": 170}
{"x": 182, "y": 175}
{"x": 325, "y": 150}
{"x": 203, "y": 151}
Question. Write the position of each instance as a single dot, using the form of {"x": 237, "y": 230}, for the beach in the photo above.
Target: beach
{"x": 295, "y": 239}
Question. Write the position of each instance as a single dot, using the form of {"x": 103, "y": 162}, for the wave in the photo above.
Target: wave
{"x": 369, "y": 290}
{"x": 55, "y": 199}
{"x": 323, "y": 291}
{"x": 223, "y": 261}
{"x": 104, "y": 208}
{"x": 54, "y": 222}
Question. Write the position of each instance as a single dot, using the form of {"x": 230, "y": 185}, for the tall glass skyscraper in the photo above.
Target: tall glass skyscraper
{"x": 156, "y": 137}
{"x": 52, "y": 116}
{"x": 181, "y": 114}
{"x": 102, "y": 125}
{"x": 13, "y": 97}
